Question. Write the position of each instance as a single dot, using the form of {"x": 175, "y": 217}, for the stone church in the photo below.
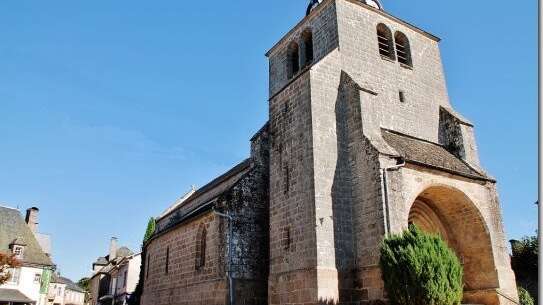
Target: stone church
{"x": 361, "y": 141}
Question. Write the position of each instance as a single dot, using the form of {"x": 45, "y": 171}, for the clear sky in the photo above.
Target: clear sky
{"x": 110, "y": 110}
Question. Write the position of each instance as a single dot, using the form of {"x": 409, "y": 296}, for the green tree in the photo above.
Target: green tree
{"x": 419, "y": 268}
{"x": 524, "y": 262}
{"x": 84, "y": 283}
{"x": 151, "y": 226}
{"x": 135, "y": 298}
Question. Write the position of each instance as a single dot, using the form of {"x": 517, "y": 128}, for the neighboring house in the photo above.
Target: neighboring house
{"x": 29, "y": 283}
{"x": 63, "y": 291}
{"x": 115, "y": 276}
{"x": 125, "y": 277}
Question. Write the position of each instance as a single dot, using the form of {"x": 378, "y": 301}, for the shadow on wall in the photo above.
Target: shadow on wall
{"x": 342, "y": 192}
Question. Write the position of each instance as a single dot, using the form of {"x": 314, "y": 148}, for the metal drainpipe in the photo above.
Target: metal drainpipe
{"x": 228, "y": 270}
{"x": 385, "y": 193}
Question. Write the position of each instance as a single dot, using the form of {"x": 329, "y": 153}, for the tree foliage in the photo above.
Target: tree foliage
{"x": 151, "y": 225}
{"x": 84, "y": 283}
{"x": 419, "y": 268}
{"x": 135, "y": 298}
{"x": 7, "y": 263}
{"x": 524, "y": 262}
{"x": 524, "y": 297}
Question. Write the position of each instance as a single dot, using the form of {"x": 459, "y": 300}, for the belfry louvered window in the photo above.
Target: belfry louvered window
{"x": 307, "y": 39}
{"x": 293, "y": 57}
{"x": 385, "y": 43}
{"x": 403, "y": 49}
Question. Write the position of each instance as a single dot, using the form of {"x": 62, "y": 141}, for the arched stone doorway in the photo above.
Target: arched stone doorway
{"x": 450, "y": 213}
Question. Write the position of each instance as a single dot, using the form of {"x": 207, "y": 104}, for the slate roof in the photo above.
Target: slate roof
{"x": 422, "y": 152}
{"x": 13, "y": 227}
{"x": 124, "y": 251}
{"x": 225, "y": 178}
{"x": 15, "y": 296}
{"x": 66, "y": 281}
{"x": 101, "y": 261}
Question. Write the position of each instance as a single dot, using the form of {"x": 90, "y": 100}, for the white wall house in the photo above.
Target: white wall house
{"x": 28, "y": 283}
{"x": 115, "y": 276}
{"x": 63, "y": 291}
{"x": 125, "y": 277}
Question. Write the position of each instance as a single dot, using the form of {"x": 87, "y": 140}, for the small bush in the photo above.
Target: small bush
{"x": 524, "y": 297}
{"x": 419, "y": 268}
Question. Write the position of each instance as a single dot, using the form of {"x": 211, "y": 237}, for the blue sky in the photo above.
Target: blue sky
{"x": 110, "y": 110}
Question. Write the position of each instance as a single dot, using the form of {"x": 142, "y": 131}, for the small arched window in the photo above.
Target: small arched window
{"x": 384, "y": 38}
{"x": 307, "y": 38}
{"x": 201, "y": 237}
{"x": 403, "y": 49}
{"x": 293, "y": 58}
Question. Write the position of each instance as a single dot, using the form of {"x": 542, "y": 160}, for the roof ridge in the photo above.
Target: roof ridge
{"x": 213, "y": 183}
{"x": 8, "y": 207}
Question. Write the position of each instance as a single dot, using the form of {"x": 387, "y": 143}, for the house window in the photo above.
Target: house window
{"x": 37, "y": 278}
{"x": 18, "y": 251}
{"x": 307, "y": 38}
{"x": 15, "y": 275}
{"x": 125, "y": 278}
{"x": 167, "y": 259}
{"x": 59, "y": 291}
{"x": 293, "y": 58}
{"x": 403, "y": 49}
{"x": 201, "y": 237}
{"x": 385, "y": 43}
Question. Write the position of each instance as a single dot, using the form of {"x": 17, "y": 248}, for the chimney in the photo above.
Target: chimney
{"x": 32, "y": 219}
{"x": 113, "y": 248}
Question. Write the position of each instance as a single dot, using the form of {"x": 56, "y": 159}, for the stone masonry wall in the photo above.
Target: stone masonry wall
{"x": 323, "y": 26}
{"x": 297, "y": 261}
{"x": 423, "y": 85}
{"x": 292, "y": 233}
{"x": 177, "y": 274}
{"x": 184, "y": 283}
{"x": 476, "y": 226}
{"x": 248, "y": 204}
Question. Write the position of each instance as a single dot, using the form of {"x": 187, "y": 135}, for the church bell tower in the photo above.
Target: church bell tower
{"x": 362, "y": 131}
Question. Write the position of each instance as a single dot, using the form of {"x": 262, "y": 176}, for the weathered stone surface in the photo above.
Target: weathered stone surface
{"x": 343, "y": 162}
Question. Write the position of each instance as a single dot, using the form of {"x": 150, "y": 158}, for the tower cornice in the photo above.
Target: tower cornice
{"x": 325, "y": 3}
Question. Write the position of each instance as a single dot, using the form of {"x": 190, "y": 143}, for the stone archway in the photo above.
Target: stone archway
{"x": 450, "y": 213}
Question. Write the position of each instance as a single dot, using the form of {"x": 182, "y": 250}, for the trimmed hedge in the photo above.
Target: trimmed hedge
{"x": 419, "y": 268}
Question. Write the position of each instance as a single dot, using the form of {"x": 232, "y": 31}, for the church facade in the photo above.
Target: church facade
{"x": 361, "y": 141}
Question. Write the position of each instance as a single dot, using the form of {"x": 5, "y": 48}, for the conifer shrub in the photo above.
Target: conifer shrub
{"x": 524, "y": 297}
{"x": 419, "y": 268}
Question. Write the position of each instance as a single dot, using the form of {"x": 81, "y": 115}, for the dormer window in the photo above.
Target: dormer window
{"x": 18, "y": 251}
{"x": 17, "y": 247}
